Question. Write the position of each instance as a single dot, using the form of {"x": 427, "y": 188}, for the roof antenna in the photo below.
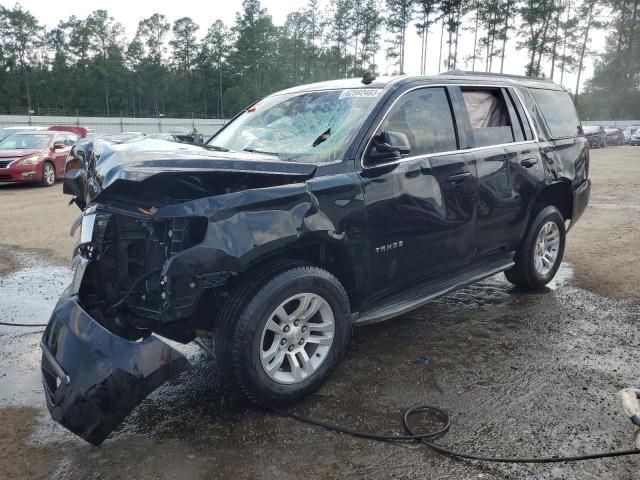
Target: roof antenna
{"x": 368, "y": 77}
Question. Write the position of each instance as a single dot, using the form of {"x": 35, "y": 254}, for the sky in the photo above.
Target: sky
{"x": 129, "y": 12}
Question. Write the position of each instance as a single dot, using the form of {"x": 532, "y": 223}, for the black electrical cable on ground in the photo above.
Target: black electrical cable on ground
{"x": 23, "y": 324}
{"x": 126, "y": 295}
{"x": 429, "y": 438}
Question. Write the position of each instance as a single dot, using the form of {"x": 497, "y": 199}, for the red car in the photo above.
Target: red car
{"x": 37, "y": 156}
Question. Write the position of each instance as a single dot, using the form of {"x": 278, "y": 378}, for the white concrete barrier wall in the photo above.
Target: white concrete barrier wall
{"x": 611, "y": 123}
{"x": 207, "y": 126}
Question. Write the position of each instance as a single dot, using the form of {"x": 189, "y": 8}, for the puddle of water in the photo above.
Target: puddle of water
{"x": 26, "y": 296}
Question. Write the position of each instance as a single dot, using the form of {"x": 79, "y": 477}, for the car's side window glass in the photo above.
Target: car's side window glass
{"x": 71, "y": 139}
{"x": 489, "y": 116}
{"x": 558, "y": 111}
{"x": 425, "y": 117}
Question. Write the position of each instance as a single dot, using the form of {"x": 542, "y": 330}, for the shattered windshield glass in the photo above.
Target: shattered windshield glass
{"x": 304, "y": 127}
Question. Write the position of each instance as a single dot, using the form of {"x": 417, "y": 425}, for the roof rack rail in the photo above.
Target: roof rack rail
{"x": 491, "y": 74}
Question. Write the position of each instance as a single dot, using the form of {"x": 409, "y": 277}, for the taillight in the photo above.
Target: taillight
{"x": 586, "y": 163}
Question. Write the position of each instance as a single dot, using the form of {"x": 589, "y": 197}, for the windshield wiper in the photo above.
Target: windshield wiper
{"x": 216, "y": 148}
{"x": 253, "y": 150}
{"x": 323, "y": 137}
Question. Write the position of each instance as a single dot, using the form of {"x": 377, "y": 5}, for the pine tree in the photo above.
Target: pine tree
{"x": 400, "y": 14}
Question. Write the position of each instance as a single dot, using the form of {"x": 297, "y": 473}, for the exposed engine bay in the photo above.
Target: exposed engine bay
{"x": 142, "y": 218}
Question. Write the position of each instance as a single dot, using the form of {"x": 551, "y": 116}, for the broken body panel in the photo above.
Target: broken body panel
{"x": 155, "y": 241}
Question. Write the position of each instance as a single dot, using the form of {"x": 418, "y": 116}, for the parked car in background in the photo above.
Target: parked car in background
{"x": 5, "y": 132}
{"x": 180, "y": 135}
{"x": 635, "y": 138}
{"x": 596, "y": 136}
{"x": 614, "y": 136}
{"x": 37, "y": 156}
{"x": 81, "y": 132}
{"x": 628, "y": 132}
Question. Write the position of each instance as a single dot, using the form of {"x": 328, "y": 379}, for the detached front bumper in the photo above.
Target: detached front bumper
{"x": 93, "y": 378}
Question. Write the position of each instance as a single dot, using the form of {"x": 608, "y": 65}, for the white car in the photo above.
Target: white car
{"x": 628, "y": 132}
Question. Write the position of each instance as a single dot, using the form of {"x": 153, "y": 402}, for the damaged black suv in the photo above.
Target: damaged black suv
{"x": 315, "y": 209}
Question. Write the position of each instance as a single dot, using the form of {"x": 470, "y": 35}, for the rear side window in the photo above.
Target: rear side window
{"x": 558, "y": 111}
{"x": 489, "y": 116}
{"x": 424, "y": 116}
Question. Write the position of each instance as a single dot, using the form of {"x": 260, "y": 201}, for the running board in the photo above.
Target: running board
{"x": 417, "y": 296}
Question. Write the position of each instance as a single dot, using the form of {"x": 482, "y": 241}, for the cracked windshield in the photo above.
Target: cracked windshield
{"x": 310, "y": 127}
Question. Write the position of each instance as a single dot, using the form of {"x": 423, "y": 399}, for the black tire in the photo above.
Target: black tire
{"x": 243, "y": 318}
{"x": 47, "y": 180}
{"x": 524, "y": 273}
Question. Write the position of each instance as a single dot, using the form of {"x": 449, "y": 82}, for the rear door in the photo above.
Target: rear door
{"x": 420, "y": 208}
{"x": 567, "y": 152}
{"x": 508, "y": 162}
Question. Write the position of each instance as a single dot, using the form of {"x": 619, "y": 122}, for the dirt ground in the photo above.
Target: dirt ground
{"x": 603, "y": 247}
{"x": 35, "y": 218}
{"x": 521, "y": 374}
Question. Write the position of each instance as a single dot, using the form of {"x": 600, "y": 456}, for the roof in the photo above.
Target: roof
{"x": 379, "y": 82}
{"x": 445, "y": 77}
{"x": 24, "y": 128}
{"x": 38, "y": 132}
{"x": 521, "y": 80}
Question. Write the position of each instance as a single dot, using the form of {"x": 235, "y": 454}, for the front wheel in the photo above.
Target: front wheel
{"x": 282, "y": 337}
{"x": 540, "y": 254}
{"x": 48, "y": 174}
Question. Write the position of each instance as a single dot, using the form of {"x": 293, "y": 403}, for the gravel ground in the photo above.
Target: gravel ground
{"x": 520, "y": 374}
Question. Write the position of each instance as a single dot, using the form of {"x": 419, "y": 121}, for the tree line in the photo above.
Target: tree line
{"x": 87, "y": 66}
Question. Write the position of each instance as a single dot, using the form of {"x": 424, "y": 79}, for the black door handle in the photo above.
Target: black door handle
{"x": 458, "y": 178}
{"x": 529, "y": 162}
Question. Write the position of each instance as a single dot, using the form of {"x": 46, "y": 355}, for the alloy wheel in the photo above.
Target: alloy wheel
{"x": 546, "y": 248}
{"x": 49, "y": 174}
{"x": 297, "y": 338}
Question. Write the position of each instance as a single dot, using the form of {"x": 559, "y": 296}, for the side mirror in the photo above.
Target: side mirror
{"x": 388, "y": 146}
{"x": 58, "y": 146}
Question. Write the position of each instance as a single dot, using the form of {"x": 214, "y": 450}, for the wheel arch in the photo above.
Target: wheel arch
{"x": 558, "y": 194}
{"x": 330, "y": 256}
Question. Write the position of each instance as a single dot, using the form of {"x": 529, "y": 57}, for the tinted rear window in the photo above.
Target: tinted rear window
{"x": 558, "y": 111}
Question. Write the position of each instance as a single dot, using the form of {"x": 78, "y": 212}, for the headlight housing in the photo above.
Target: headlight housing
{"x": 30, "y": 160}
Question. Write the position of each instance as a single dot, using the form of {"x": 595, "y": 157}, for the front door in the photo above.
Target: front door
{"x": 420, "y": 208}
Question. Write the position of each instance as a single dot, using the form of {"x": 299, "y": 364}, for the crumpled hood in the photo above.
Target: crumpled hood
{"x": 95, "y": 165}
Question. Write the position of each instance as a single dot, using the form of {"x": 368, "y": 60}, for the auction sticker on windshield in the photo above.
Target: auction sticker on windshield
{"x": 360, "y": 92}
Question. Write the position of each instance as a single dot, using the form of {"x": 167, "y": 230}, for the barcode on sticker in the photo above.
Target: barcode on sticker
{"x": 360, "y": 92}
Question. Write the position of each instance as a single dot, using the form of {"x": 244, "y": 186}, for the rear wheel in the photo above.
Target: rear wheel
{"x": 48, "y": 174}
{"x": 283, "y": 333}
{"x": 539, "y": 257}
